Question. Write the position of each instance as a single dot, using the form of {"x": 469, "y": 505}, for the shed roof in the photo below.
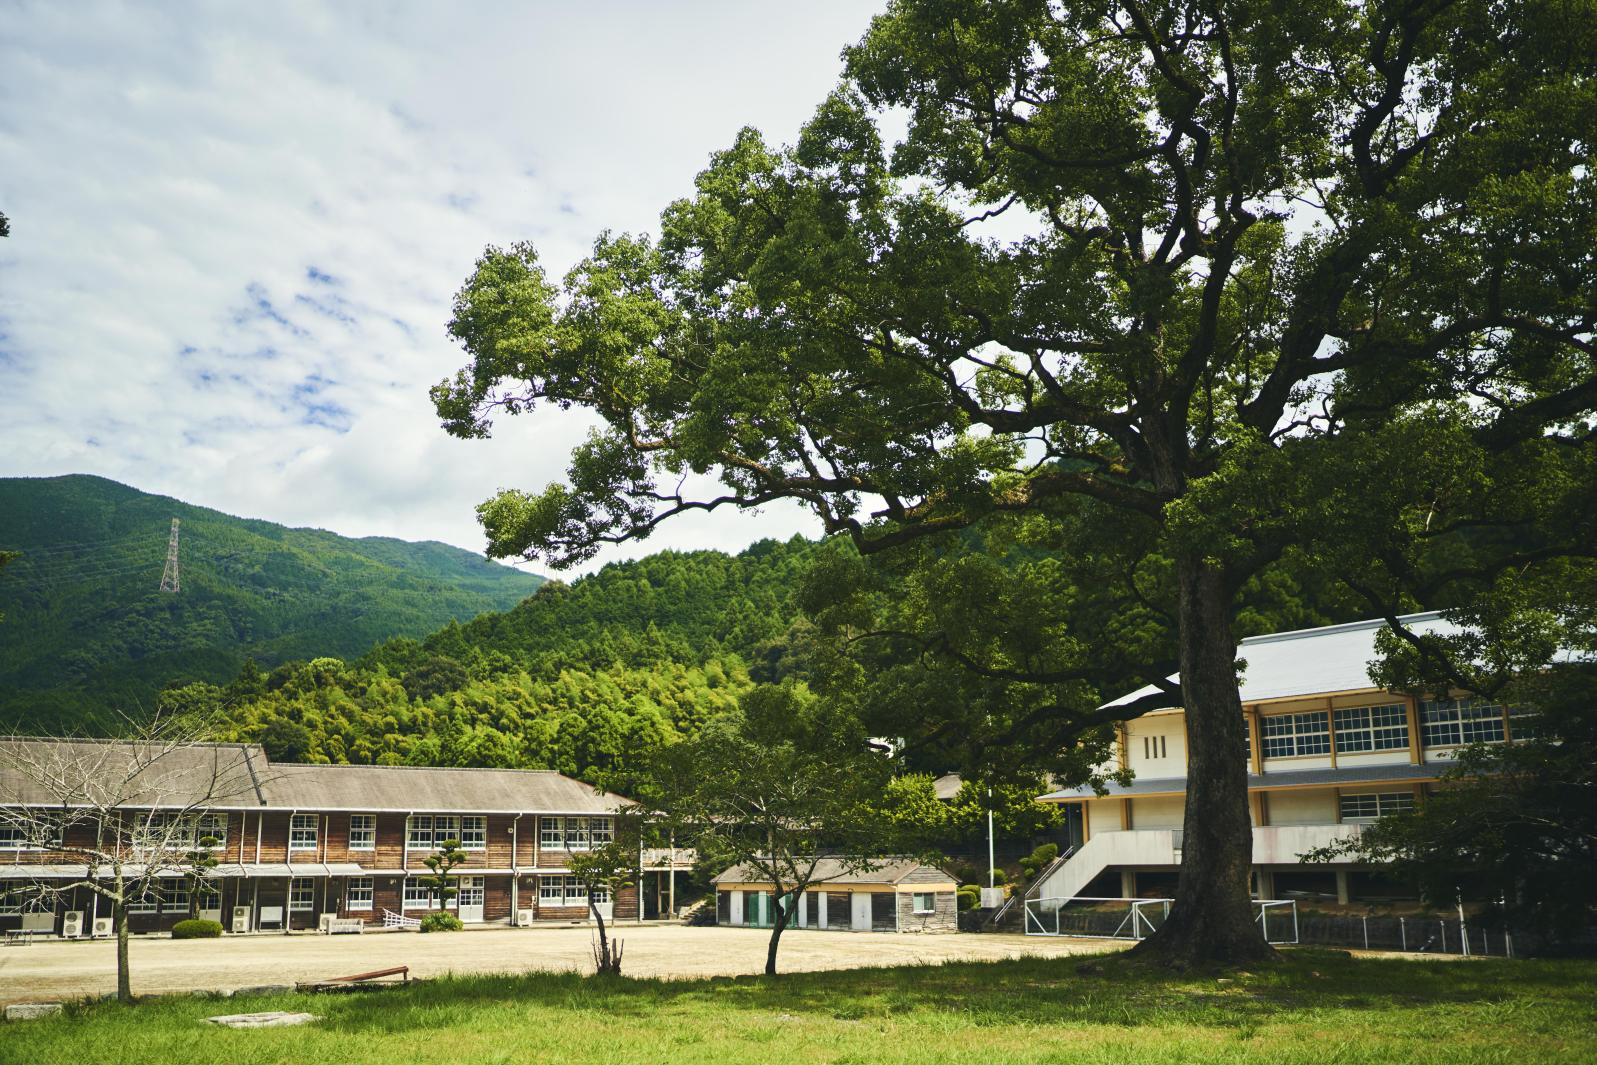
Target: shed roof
{"x": 832, "y": 871}
{"x": 1334, "y": 658}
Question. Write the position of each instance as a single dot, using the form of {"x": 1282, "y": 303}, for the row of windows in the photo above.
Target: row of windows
{"x": 1368, "y": 807}
{"x": 574, "y": 833}
{"x": 169, "y": 831}
{"x": 568, "y": 891}
{"x": 1361, "y": 729}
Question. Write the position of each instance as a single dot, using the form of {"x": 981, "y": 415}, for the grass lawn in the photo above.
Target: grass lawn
{"x": 1318, "y": 1008}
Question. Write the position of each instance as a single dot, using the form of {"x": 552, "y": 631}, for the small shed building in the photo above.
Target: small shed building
{"x": 897, "y": 895}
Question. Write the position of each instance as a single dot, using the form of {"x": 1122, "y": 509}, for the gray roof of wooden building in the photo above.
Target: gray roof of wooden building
{"x": 832, "y": 871}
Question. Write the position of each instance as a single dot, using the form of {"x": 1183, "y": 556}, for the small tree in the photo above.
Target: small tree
{"x": 198, "y": 864}
{"x": 128, "y": 813}
{"x": 607, "y": 870}
{"x": 776, "y": 789}
{"x": 440, "y": 883}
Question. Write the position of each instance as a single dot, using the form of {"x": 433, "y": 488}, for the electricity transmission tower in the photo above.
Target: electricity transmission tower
{"x": 169, "y": 576}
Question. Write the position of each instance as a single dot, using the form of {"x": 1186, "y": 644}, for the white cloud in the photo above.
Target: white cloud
{"x": 236, "y": 229}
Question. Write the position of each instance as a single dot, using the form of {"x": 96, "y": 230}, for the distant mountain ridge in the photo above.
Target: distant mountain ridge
{"x": 85, "y": 628}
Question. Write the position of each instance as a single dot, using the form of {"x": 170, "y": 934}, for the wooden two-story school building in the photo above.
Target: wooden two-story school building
{"x": 296, "y": 844}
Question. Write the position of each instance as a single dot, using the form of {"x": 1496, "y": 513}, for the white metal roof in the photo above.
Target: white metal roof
{"x": 1335, "y": 658}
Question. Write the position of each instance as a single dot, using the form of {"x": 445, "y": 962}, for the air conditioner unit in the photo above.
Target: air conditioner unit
{"x": 524, "y": 918}
{"x": 103, "y": 927}
{"x": 325, "y": 922}
{"x": 241, "y": 919}
{"x": 72, "y": 925}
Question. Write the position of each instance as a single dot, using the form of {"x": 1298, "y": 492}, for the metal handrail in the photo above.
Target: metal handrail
{"x": 1042, "y": 878}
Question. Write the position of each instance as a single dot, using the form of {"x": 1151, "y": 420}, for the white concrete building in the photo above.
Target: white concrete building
{"x": 1327, "y": 752}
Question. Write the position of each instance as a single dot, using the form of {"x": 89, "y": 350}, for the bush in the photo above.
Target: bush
{"x": 441, "y": 921}
{"x": 998, "y": 877}
{"x": 968, "y": 898}
{"x": 1038, "y": 860}
{"x": 193, "y": 929}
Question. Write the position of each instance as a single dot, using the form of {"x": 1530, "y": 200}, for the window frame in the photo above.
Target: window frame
{"x": 307, "y": 904}
{"x": 296, "y": 832}
{"x": 1390, "y": 733}
{"x": 1460, "y": 718}
{"x": 360, "y": 893}
{"x": 1384, "y": 803}
{"x": 368, "y": 829}
{"x": 915, "y": 902}
{"x": 1295, "y": 734}
{"x": 477, "y": 838}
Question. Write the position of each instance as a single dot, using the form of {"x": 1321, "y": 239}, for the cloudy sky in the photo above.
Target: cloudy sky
{"x": 236, "y": 229}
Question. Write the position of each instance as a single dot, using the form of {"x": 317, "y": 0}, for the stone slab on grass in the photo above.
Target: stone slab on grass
{"x": 263, "y": 989}
{"x": 270, "y": 1019}
{"x": 29, "y": 1011}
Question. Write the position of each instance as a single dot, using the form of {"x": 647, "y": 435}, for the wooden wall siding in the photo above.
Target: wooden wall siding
{"x": 496, "y": 895}
{"x": 498, "y": 854}
{"x": 944, "y": 919}
{"x": 274, "y": 838}
{"x": 390, "y": 850}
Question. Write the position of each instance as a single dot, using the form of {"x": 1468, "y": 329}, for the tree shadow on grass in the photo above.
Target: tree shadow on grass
{"x": 1028, "y": 991}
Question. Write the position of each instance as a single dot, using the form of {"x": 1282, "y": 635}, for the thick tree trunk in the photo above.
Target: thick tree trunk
{"x": 124, "y": 979}
{"x": 1211, "y": 921}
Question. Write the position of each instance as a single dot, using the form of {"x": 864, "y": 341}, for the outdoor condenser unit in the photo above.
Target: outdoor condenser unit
{"x": 241, "y": 919}
{"x": 523, "y": 918}
{"x": 103, "y": 927}
{"x": 72, "y": 924}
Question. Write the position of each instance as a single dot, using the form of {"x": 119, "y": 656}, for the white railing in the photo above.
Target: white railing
{"x": 1086, "y": 917}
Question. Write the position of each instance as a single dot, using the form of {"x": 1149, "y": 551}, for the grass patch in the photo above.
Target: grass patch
{"x": 1316, "y": 1008}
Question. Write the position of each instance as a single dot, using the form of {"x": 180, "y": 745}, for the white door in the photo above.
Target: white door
{"x": 820, "y": 909}
{"x": 470, "y": 898}
{"x": 604, "y": 905}
{"x": 861, "y": 908}
{"x": 211, "y": 906}
{"x": 737, "y": 908}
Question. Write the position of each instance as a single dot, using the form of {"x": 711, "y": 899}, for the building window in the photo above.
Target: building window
{"x": 419, "y": 897}
{"x": 574, "y": 833}
{"x": 474, "y": 833}
{"x": 362, "y": 832}
{"x": 21, "y": 832}
{"x": 22, "y": 896}
{"x": 925, "y": 902}
{"x": 214, "y": 826}
{"x": 146, "y": 901}
{"x": 302, "y": 833}
{"x": 358, "y": 893}
{"x": 429, "y": 832}
{"x": 1453, "y": 722}
{"x": 1369, "y": 806}
{"x": 301, "y": 894}
{"x": 1371, "y": 728}
{"x": 567, "y": 891}
{"x": 1286, "y": 735}
{"x": 174, "y": 896}
{"x": 1153, "y": 747}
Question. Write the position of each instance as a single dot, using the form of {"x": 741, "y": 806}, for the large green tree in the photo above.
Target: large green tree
{"x": 1226, "y": 281}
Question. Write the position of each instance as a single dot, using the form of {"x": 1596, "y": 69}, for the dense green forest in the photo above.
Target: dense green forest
{"x": 87, "y": 633}
{"x": 583, "y": 678}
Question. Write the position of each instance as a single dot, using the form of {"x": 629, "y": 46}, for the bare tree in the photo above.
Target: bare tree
{"x": 117, "y": 817}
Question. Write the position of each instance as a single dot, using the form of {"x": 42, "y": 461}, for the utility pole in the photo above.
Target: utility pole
{"x": 169, "y": 576}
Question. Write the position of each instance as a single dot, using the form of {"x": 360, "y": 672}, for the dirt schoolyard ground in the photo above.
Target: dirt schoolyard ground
{"x": 62, "y": 970}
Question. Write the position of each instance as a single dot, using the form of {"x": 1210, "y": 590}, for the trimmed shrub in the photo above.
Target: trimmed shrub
{"x": 1038, "y": 860}
{"x": 195, "y": 929}
{"x": 999, "y": 877}
{"x": 441, "y": 921}
{"x": 968, "y": 898}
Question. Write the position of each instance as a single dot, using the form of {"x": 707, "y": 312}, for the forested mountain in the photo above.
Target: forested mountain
{"x": 582, "y": 678}
{"x": 86, "y": 630}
